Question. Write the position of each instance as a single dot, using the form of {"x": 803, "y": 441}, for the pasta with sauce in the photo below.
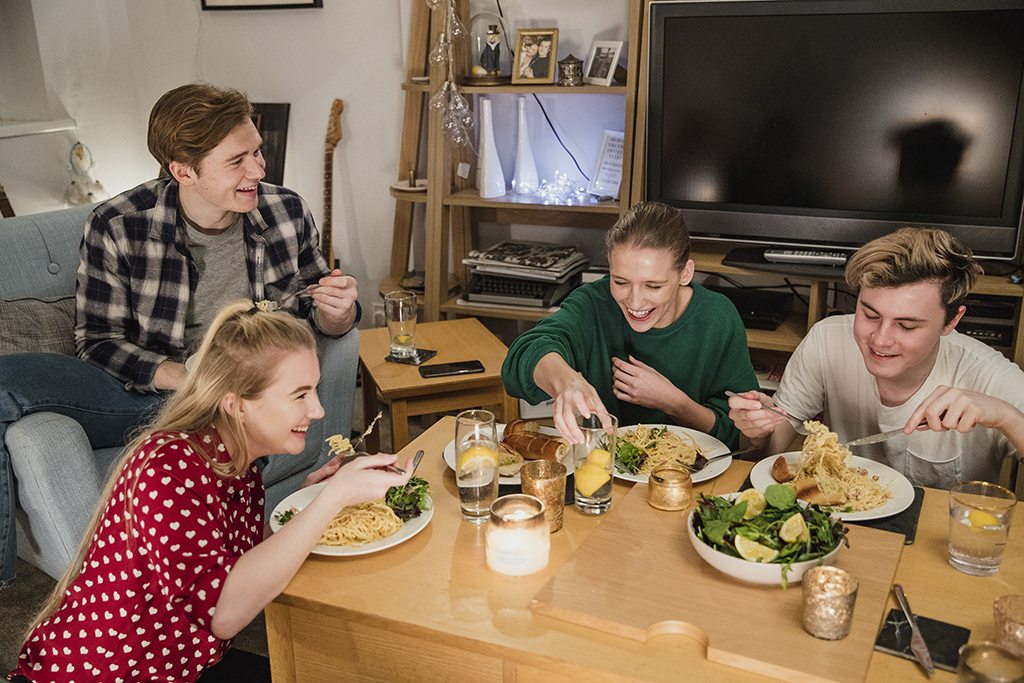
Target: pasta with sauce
{"x": 361, "y": 524}
{"x": 661, "y": 445}
{"x": 825, "y": 460}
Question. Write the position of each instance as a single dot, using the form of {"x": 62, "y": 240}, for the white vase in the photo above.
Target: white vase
{"x": 490, "y": 179}
{"x": 525, "y": 179}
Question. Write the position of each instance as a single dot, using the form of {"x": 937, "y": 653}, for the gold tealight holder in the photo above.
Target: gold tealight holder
{"x": 669, "y": 487}
{"x": 829, "y": 594}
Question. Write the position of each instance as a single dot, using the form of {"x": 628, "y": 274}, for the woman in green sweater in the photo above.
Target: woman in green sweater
{"x": 642, "y": 343}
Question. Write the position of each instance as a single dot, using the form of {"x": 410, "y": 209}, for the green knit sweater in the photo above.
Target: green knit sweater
{"x": 703, "y": 353}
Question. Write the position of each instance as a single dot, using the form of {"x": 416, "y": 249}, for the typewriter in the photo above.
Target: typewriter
{"x": 513, "y": 291}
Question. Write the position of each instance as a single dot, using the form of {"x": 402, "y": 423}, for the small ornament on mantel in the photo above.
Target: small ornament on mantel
{"x": 570, "y": 71}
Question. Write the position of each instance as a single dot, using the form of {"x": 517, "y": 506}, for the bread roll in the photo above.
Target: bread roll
{"x": 516, "y": 426}
{"x": 810, "y": 493}
{"x": 780, "y": 470}
{"x": 536, "y": 446}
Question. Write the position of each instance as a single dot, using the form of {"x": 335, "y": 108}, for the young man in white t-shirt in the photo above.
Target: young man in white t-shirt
{"x": 959, "y": 402}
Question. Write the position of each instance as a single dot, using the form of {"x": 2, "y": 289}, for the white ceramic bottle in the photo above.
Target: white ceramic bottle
{"x": 525, "y": 179}
{"x": 490, "y": 179}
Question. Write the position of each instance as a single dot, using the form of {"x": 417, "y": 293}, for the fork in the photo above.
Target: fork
{"x": 279, "y": 304}
{"x": 798, "y": 424}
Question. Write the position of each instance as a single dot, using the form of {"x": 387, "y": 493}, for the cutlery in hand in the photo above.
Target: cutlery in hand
{"x": 875, "y": 439}
{"x": 416, "y": 460}
{"x": 389, "y": 468}
{"x": 917, "y": 644}
{"x": 798, "y": 424}
{"x": 279, "y": 304}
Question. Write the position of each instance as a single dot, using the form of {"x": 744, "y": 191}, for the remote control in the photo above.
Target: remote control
{"x": 821, "y": 258}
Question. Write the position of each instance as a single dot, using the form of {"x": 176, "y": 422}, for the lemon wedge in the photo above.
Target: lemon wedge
{"x": 794, "y": 530}
{"x": 590, "y": 477}
{"x": 754, "y": 551}
{"x": 980, "y": 518}
{"x": 599, "y": 457}
{"x": 477, "y": 456}
{"x": 755, "y": 502}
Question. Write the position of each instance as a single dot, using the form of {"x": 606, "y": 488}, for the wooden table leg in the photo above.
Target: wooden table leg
{"x": 372, "y": 443}
{"x": 509, "y": 408}
{"x": 399, "y": 424}
{"x": 279, "y": 642}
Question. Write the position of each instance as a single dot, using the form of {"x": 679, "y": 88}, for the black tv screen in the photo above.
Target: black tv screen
{"x": 827, "y": 123}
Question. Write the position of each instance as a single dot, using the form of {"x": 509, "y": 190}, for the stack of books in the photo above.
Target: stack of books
{"x": 524, "y": 273}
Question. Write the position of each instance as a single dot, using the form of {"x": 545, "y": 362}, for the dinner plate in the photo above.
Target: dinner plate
{"x": 902, "y": 490}
{"x": 708, "y": 444}
{"x": 304, "y": 497}
{"x": 449, "y": 454}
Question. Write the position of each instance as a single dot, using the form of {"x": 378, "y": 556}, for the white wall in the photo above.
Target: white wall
{"x": 107, "y": 61}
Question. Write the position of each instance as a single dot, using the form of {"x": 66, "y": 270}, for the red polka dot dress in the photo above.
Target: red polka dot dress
{"x": 140, "y": 610}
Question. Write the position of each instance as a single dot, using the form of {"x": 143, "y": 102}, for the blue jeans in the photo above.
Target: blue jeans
{"x": 43, "y": 382}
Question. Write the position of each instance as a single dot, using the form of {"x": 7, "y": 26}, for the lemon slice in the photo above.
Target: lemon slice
{"x": 590, "y": 477}
{"x": 980, "y": 518}
{"x": 475, "y": 457}
{"x": 755, "y": 502}
{"x": 794, "y": 530}
{"x": 599, "y": 457}
{"x": 754, "y": 551}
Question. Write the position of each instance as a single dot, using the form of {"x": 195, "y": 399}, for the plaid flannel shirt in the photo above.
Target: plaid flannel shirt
{"x": 136, "y": 274}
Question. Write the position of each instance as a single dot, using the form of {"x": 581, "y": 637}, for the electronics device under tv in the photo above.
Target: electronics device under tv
{"x": 828, "y": 123}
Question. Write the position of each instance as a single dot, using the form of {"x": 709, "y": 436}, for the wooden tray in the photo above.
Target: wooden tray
{"x": 638, "y": 576}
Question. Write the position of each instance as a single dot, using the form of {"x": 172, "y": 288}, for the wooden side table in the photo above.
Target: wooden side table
{"x": 409, "y": 394}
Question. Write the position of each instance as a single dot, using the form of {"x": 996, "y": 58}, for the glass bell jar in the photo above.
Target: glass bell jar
{"x": 489, "y": 41}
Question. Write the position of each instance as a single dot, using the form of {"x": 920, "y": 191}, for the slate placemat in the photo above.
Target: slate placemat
{"x": 902, "y": 523}
{"x": 943, "y": 640}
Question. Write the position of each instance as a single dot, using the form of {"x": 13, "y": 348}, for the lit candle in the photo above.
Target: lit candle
{"x": 518, "y": 538}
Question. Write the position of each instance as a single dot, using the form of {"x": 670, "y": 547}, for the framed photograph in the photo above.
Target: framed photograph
{"x": 271, "y": 121}
{"x": 535, "y": 55}
{"x": 607, "y": 174}
{"x": 260, "y": 4}
{"x": 604, "y": 57}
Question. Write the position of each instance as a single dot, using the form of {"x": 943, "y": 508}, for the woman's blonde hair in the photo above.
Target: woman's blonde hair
{"x": 186, "y": 123}
{"x": 912, "y": 255}
{"x": 651, "y": 225}
{"x": 239, "y": 355}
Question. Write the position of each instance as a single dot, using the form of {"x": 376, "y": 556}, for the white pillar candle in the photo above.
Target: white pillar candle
{"x": 518, "y": 539}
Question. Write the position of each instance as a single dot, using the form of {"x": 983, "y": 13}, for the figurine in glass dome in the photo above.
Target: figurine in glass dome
{"x": 490, "y": 55}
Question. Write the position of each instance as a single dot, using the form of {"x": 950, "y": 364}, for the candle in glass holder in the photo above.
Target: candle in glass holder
{"x": 518, "y": 538}
{"x": 669, "y": 488}
{"x": 829, "y": 594}
{"x": 1009, "y": 617}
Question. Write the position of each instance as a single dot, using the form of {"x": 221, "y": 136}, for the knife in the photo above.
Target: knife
{"x": 876, "y": 438}
{"x": 917, "y": 644}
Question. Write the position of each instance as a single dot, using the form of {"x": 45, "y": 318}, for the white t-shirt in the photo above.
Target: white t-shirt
{"x": 827, "y": 375}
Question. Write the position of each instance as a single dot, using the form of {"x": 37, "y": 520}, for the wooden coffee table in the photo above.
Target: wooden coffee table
{"x": 409, "y": 394}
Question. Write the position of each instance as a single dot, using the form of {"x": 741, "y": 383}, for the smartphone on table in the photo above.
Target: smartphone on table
{"x": 465, "y": 367}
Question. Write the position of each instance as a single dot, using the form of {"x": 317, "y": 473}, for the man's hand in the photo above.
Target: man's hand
{"x": 761, "y": 426}
{"x": 336, "y": 299}
{"x": 949, "y": 408}
{"x": 169, "y": 376}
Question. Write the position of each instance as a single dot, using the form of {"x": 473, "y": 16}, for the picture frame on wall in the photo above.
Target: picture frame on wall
{"x": 271, "y": 121}
{"x": 604, "y": 57}
{"x": 535, "y": 55}
{"x": 261, "y": 4}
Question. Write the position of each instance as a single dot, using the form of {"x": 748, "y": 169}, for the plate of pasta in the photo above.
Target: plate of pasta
{"x": 898, "y": 492}
{"x": 660, "y": 443}
{"x": 367, "y": 525}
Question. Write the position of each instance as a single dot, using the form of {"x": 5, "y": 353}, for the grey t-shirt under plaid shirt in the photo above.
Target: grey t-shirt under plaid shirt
{"x": 136, "y": 274}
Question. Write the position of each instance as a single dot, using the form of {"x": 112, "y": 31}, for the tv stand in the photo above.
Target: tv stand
{"x": 752, "y": 258}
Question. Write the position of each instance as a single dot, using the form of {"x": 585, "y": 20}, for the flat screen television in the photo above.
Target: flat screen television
{"x": 828, "y": 123}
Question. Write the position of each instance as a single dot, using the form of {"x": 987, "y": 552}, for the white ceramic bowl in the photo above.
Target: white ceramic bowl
{"x": 754, "y": 572}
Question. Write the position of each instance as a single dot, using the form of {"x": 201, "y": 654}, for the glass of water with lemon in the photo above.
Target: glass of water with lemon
{"x": 400, "y": 314}
{"x": 476, "y": 460}
{"x": 595, "y": 462}
{"x": 979, "y": 523}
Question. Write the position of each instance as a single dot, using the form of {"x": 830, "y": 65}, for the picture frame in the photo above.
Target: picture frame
{"x": 261, "y": 4}
{"x": 607, "y": 174}
{"x": 604, "y": 57}
{"x": 535, "y": 54}
{"x": 271, "y": 121}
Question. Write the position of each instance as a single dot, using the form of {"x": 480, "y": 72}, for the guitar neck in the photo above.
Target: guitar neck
{"x": 326, "y": 246}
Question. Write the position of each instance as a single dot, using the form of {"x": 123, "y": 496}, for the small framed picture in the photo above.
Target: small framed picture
{"x": 536, "y": 50}
{"x": 604, "y": 57}
{"x": 260, "y": 4}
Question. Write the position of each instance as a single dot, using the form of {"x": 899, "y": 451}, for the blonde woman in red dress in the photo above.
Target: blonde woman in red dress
{"x": 175, "y": 563}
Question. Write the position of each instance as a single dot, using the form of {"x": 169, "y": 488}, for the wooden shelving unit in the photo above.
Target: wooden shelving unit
{"x": 454, "y": 208}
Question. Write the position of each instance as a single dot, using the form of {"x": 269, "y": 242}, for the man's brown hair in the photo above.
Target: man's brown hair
{"x": 188, "y": 122}
{"x": 912, "y": 255}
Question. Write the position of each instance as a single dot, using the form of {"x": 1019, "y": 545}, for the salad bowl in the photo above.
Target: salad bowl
{"x": 745, "y": 570}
